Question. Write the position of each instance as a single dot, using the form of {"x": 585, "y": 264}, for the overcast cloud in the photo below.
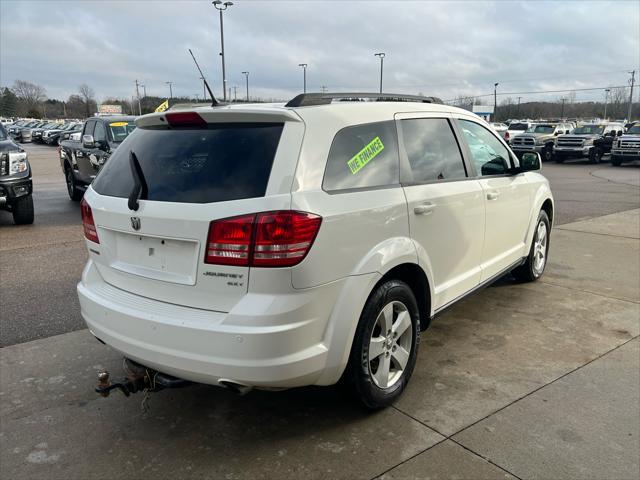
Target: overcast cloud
{"x": 435, "y": 48}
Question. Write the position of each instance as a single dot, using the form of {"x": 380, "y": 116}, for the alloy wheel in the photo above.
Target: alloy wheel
{"x": 540, "y": 248}
{"x": 390, "y": 344}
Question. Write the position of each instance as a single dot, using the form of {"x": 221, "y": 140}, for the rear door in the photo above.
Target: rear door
{"x": 194, "y": 175}
{"x": 507, "y": 198}
{"x": 446, "y": 206}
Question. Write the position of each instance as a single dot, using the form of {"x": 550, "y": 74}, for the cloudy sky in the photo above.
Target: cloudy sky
{"x": 435, "y": 48}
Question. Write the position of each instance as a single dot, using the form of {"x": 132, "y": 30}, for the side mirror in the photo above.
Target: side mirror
{"x": 87, "y": 141}
{"x": 530, "y": 162}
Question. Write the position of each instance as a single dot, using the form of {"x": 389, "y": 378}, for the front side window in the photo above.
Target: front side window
{"x": 432, "y": 150}
{"x": 363, "y": 156}
{"x": 489, "y": 155}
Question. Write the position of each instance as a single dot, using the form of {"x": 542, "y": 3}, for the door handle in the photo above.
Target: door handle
{"x": 493, "y": 195}
{"x": 424, "y": 209}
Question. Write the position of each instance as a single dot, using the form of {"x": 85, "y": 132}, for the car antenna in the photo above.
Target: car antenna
{"x": 214, "y": 102}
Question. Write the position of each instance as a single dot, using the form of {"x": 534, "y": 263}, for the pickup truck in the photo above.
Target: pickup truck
{"x": 16, "y": 187}
{"x": 539, "y": 138}
{"x": 627, "y": 147}
{"x": 590, "y": 140}
{"x": 81, "y": 159}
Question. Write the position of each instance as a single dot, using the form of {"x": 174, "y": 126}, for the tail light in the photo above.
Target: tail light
{"x": 89, "y": 225}
{"x": 506, "y": 135}
{"x": 268, "y": 239}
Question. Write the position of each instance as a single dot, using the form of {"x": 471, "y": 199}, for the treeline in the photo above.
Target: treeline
{"x": 617, "y": 107}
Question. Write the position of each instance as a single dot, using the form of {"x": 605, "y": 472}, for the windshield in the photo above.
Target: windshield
{"x": 518, "y": 126}
{"x": 589, "y": 130}
{"x": 219, "y": 163}
{"x": 542, "y": 129}
{"x": 121, "y": 130}
{"x": 634, "y": 129}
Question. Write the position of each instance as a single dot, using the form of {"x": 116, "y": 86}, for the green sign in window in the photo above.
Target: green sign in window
{"x": 364, "y": 156}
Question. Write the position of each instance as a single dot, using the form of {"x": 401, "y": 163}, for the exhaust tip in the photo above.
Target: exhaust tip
{"x": 235, "y": 387}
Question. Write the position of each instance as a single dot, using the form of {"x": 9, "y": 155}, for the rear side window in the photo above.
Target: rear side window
{"x": 220, "y": 163}
{"x": 432, "y": 150}
{"x": 363, "y": 156}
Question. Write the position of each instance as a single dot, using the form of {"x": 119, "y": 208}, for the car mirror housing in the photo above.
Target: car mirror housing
{"x": 530, "y": 162}
{"x": 87, "y": 141}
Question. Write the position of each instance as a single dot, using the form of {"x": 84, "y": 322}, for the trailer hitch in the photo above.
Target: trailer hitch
{"x": 138, "y": 378}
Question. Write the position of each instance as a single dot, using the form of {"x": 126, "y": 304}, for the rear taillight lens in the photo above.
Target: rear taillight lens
{"x": 506, "y": 135}
{"x": 89, "y": 225}
{"x": 269, "y": 239}
{"x": 229, "y": 241}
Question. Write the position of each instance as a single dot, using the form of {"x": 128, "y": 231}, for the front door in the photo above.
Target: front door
{"x": 506, "y": 196}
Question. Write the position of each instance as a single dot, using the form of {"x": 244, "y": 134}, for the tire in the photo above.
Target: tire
{"x": 547, "y": 153}
{"x": 22, "y": 211}
{"x": 616, "y": 161}
{"x": 72, "y": 188}
{"x": 531, "y": 270}
{"x": 595, "y": 155}
{"x": 391, "y": 307}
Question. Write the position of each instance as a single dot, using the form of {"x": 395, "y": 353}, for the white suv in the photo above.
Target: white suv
{"x": 276, "y": 246}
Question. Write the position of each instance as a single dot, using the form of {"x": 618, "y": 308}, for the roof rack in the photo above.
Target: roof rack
{"x": 310, "y": 99}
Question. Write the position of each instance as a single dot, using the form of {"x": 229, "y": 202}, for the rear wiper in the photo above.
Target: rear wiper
{"x": 139, "y": 190}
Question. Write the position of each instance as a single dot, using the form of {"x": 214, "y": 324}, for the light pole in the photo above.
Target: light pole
{"x": 518, "y": 112}
{"x": 563, "y": 99}
{"x": 144, "y": 90}
{"x": 381, "y": 55}
{"x": 606, "y": 98}
{"x": 221, "y": 7}
{"x": 304, "y": 76}
{"x": 170, "y": 90}
{"x": 495, "y": 101}
{"x": 246, "y": 74}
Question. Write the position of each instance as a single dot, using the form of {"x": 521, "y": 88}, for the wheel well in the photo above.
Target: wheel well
{"x": 547, "y": 206}
{"x": 414, "y": 276}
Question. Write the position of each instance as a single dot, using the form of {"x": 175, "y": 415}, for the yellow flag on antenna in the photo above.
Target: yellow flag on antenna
{"x": 163, "y": 106}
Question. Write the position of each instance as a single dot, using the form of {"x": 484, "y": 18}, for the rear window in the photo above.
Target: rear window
{"x": 518, "y": 126}
{"x": 223, "y": 162}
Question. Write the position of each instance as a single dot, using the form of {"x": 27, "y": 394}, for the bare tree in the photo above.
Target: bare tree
{"x": 87, "y": 94}
{"x": 30, "y": 95}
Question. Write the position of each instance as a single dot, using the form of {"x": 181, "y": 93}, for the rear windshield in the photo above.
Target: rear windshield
{"x": 223, "y": 162}
{"x": 518, "y": 126}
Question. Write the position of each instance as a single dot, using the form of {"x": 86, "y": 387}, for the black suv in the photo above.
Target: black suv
{"x": 15, "y": 180}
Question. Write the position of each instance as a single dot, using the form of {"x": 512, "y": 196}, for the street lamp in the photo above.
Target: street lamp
{"x": 304, "y": 76}
{"x": 246, "y": 74}
{"x": 221, "y": 7}
{"x": 170, "y": 90}
{"x": 381, "y": 55}
{"x": 606, "y": 98}
{"x": 495, "y": 101}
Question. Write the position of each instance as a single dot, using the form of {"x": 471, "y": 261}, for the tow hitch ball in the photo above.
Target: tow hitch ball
{"x": 126, "y": 386}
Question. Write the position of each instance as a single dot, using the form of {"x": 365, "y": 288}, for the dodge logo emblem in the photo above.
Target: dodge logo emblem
{"x": 135, "y": 223}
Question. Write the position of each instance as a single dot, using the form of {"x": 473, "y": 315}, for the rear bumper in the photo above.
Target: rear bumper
{"x": 264, "y": 341}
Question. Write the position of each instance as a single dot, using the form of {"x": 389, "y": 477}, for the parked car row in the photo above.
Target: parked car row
{"x": 560, "y": 141}
{"x": 41, "y": 131}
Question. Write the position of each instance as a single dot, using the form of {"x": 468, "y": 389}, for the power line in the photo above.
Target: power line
{"x": 538, "y": 91}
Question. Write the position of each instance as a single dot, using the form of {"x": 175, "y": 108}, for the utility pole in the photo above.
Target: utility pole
{"x": 246, "y": 74}
{"x": 633, "y": 77}
{"x": 144, "y": 91}
{"x": 170, "y": 90}
{"x": 495, "y": 101}
{"x": 563, "y": 99}
{"x": 235, "y": 94}
{"x": 518, "y": 112}
{"x": 381, "y": 55}
{"x": 323, "y": 89}
{"x": 606, "y": 98}
{"x": 304, "y": 76}
{"x": 221, "y": 7}
{"x": 138, "y": 97}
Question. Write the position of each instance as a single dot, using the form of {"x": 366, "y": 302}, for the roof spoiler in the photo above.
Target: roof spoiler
{"x": 310, "y": 99}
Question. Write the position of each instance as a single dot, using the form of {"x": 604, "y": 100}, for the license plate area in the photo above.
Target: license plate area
{"x": 164, "y": 259}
